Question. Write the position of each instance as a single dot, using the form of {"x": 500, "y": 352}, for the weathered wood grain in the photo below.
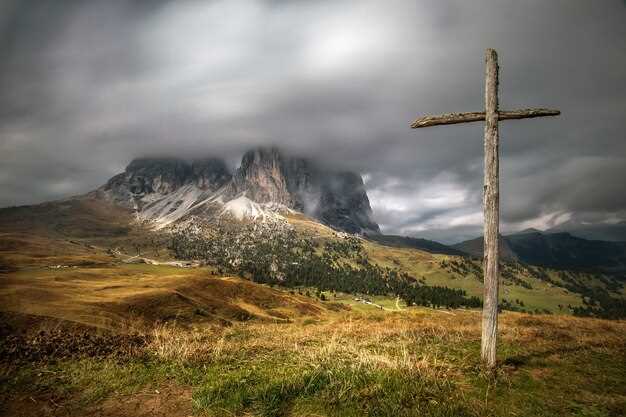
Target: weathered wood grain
{"x": 477, "y": 116}
{"x": 491, "y": 207}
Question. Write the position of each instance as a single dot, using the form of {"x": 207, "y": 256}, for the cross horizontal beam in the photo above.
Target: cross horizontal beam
{"x": 454, "y": 118}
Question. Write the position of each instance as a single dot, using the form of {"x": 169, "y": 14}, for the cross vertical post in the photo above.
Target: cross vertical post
{"x": 491, "y": 207}
{"x": 491, "y": 197}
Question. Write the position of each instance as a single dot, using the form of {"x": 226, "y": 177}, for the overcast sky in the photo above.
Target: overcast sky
{"x": 85, "y": 86}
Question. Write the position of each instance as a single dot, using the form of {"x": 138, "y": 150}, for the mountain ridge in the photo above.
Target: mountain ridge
{"x": 426, "y": 245}
{"x": 610, "y": 232}
{"x": 165, "y": 191}
{"x": 555, "y": 250}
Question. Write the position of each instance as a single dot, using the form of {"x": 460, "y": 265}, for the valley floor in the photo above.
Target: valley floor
{"x": 142, "y": 340}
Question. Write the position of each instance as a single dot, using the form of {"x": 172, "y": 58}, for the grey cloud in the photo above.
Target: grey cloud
{"x": 87, "y": 86}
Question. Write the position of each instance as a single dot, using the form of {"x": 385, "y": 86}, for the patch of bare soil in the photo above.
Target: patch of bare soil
{"x": 56, "y": 344}
{"x": 27, "y": 406}
{"x": 38, "y": 340}
{"x": 168, "y": 401}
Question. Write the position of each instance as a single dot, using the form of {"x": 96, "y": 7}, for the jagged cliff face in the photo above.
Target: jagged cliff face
{"x": 344, "y": 204}
{"x": 169, "y": 190}
{"x": 147, "y": 179}
{"x": 338, "y": 199}
{"x": 262, "y": 177}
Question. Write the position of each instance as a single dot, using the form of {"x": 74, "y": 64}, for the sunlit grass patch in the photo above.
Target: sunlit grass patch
{"x": 272, "y": 389}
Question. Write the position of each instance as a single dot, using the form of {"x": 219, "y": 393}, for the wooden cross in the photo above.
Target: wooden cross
{"x": 491, "y": 197}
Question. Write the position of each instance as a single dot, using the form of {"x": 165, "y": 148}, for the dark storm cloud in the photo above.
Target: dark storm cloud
{"x": 87, "y": 86}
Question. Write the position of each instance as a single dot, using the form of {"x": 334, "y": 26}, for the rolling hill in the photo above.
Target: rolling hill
{"x": 416, "y": 243}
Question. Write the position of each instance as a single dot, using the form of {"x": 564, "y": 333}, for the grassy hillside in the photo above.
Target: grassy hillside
{"x": 72, "y": 232}
{"x": 414, "y": 243}
{"x": 88, "y": 233}
{"x": 379, "y": 363}
{"x": 111, "y": 297}
{"x": 83, "y": 332}
{"x": 523, "y": 287}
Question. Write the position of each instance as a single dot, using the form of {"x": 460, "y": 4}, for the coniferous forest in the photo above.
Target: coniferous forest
{"x": 276, "y": 254}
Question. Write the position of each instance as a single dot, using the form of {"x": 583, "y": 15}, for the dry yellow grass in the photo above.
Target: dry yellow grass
{"x": 118, "y": 297}
{"x": 563, "y": 363}
{"x": 414, "y": 339}
{"x": 347, "y": 363}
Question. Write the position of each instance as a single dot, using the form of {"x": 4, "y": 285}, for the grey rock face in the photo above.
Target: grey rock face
{"x": 338, "y": 199}
{"x": 345, "y": 205}
{"x": 146, "y": 178}
{"x": 262, "y": 177}
{"x": 266, "y": 175}
{"x": 162, "y": 175}
{"x": 210, "y": 173}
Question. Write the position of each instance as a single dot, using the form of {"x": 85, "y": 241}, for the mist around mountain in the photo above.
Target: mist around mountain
{"x": 167, "y": 191}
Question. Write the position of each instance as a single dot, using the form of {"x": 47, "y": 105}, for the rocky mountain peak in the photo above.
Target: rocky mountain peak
{"x": 265, "y": 157}
{"x": 262, "y": 177}
{"x": 344, "y": 202}
{"x": 168, "y": 189}
{"x": 160, "y": 175}
{"x": 147, "y": 179}
{"x": 336, "y": 198}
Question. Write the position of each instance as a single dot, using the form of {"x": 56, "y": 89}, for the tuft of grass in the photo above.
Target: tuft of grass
{"x": 329, "y": 389}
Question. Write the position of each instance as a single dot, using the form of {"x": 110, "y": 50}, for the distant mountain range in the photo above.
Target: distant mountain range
{"x": 556, "y": 250}
{"x": 168, "y": 192}
{"x": 611, "y": 232}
